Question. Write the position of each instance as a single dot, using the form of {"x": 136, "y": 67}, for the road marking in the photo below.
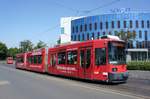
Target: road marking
{"x": 100, "y": 89}
{"x": 4, "y": 83}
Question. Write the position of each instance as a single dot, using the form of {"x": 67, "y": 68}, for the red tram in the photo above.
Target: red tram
{"x": 36, "y": 60}
{"x": 21, "y": 61}
{"x": 9, "y": 60}
{"x": 101, "y": 60}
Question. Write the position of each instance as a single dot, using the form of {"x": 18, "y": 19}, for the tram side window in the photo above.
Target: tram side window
{"x": 62, "y": 58}
{"x": 20, "y": 60}
{"x": 32, "y": 60}
{"x": 72, "y": 57}
{"x": 29, "y": 60}
{"x": 35, "y": 59}
{"x": 100, "y": 56}
{"x": 53, "y": 59}
{"x": 88, "y": 58}
{"x": 39, "y": 59}
{"x": 82, "y": 58}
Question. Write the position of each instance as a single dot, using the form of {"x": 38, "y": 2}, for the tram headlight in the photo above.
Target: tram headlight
{"x": 114, "y": 69}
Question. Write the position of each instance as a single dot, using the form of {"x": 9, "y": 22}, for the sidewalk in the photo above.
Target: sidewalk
{"x": 2, "y": 62}
{"x": 139, "y": 74}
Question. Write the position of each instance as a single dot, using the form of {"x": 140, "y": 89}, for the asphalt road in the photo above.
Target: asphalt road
{"x": 19, "y": 84}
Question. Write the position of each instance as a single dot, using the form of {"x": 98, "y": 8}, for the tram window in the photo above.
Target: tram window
{"x": 72, "y": 57}
{"x": 29, "y": 60}
{"x": 62, "y": 58}
{"x": 35, "y": 59}
{"x": 39, "y": 59}
{"x": 82, "y": 58}
{"x": 100, "y": 56}
{"x": 88, "y": 58}
{"x": 53, "y": 60}
{"x": 20, "y": 60}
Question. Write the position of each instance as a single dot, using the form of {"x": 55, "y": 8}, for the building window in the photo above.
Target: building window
{"x": 95, "y": 26}
{"x": 101, "y": 25}
{"x": 71, "y": 37}
{"x": 92, "y": 36}
{"x": 98, "y": 34}
{"x": 72, "y": 29}
{"x": 137, "y": 44}
{"x": 106, "y": 25}
{"x": 83, "y": 37}
{"x": 104, "y": 33}
{"x": 112, "y": 24}
{"x": 137, "y": 24}
{"x": 146, "y": 44}
{"x": 140, "y": 44}
{"x": 87, "y": 36}
{"x": 143, "y": 44}
{"x": 118, "y": 24}
{"x": 74, "y": 37}
{"x": 90, "y": 26}
{"x": 72, "y": 57}
{"x": 62, "y": 58}
{"x": 140, "y": 34}
{"x": 146, "y": 35}
{"x": 131, "y": 44}
{"x": 128, "y": 34}
{"x": 79, "y": 37}
{"x": 76, "y": 29}
{"x": 124, "y": 22}
{"x": 134, "y": 33}
{"x": 80, "y": 28}
{"x": 85, "y": 27}
{"x": 148, "y": 24}
{"x": 130, "y": 24}
{"x": 142, "y": 24}
{"x": 109, "y": 33}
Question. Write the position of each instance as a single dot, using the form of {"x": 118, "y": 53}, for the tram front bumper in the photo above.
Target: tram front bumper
{"x": 118, "y": 77}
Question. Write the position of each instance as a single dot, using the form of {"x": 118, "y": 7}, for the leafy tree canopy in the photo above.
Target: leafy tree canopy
{"x": 12, "y": 52}
{"x": 40, "y": 44}
{"x": 26, "y": 45}
{"x": 127, "y": 36}
{"x": 3, "y": 51}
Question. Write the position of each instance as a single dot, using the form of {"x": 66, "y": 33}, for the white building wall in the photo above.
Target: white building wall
{"x": 65, "y": 24}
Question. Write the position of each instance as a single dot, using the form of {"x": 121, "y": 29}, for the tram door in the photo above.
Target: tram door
{"x": 85, "y": 63}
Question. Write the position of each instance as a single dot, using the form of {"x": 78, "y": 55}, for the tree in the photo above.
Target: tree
{"x": 3, "y": 51}
{"x": 26, "y": 45}
{"x": 40, "y": 44}
{"x": 127, "y": 36}
{"x": 12, "y": 52}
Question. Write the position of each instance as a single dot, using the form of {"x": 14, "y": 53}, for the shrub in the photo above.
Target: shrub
{"x": 138, "y": 65}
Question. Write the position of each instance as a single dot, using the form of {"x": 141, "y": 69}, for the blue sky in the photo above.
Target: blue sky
{"x": 39, "y": 19}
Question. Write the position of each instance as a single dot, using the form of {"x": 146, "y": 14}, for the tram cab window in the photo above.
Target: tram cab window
{"x": 72, "y": 57}
{"x": 62, "y": 58}
{"x": 100, "y": 56}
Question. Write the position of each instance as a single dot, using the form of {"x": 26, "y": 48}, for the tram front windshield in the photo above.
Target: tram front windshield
{"x": 116, "y": 53}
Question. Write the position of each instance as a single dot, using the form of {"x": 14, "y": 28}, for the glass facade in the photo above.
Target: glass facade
{"x": 92, "y": 27}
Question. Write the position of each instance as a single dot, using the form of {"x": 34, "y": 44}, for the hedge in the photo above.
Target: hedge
{"x": 138, "y": 65}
